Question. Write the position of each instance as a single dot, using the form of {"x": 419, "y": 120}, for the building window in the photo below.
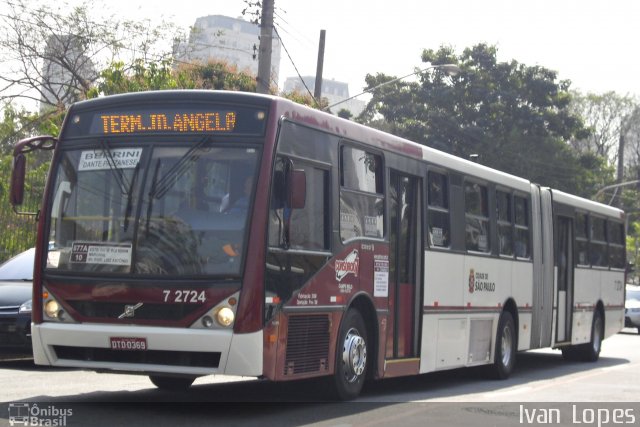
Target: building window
{"x": 477, "y": 217}
{"x": 438, "y": 210}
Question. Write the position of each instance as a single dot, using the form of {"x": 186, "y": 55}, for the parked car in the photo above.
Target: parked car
{"x": 16, "y": 277}
{"x": 632, "y": 308}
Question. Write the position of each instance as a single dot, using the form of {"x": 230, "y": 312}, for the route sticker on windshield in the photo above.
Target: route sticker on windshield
{"x": 119, "y": 158}
{"x": 101, "y": 253}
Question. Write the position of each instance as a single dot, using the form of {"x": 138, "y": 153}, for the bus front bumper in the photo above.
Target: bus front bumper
{"x": 177, "y": 351}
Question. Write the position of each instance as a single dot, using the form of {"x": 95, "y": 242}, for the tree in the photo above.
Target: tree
{"x": 18, "y": 123}
{"x": 53, "y": 57}
{"x": 163, "y": 75}
{"x": 516, "y": 117}
{"x": 604, "y": 115}
{"x": 611, "y": 119}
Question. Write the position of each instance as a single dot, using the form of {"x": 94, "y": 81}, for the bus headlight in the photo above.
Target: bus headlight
{"x": 225, "y": 316}
{"x": 51, "y": 309}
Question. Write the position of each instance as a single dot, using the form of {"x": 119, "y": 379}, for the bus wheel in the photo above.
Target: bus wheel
{"x": 505, "y": 354}
{"x": 172, "y": 383}
{"x": 591, "y": 352}
{"x": 570, "y": 353}
{"x": 351, "y": 357}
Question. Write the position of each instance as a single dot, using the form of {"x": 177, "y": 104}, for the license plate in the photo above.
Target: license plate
{"x": 128, "y": 343}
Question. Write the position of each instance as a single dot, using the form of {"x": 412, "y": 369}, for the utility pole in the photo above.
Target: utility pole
{"x": 264, "y": 53}
{"x": 318, "y": 87}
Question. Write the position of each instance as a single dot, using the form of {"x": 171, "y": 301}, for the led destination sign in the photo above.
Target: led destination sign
{"x": 176, "y": 119}
{"x": 211, "y": 121}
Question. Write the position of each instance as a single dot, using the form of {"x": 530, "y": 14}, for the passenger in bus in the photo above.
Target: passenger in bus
{"x": 241, "y": 204}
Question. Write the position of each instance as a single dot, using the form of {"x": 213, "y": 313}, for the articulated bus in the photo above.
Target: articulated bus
{"x": 190, "y": 233}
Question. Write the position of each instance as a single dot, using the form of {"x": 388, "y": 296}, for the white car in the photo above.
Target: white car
{"x": 632, "y": 308}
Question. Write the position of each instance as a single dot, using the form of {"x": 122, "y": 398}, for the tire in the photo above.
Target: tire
{"x": 172, "y": 383}
{"x": 505, "y": 351}
{"x": 351, "y": 357}
{"x": 591, "y": 352}
{"x": 570, "y": 353}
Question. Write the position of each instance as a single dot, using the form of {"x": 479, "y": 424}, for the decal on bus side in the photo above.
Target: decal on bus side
{"x": 349, "y": 265}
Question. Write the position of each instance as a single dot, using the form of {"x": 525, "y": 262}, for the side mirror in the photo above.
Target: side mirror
{"x": 17, "y": 180}
{"x": 297, "y": 189}
{"x": 18, "y": 173}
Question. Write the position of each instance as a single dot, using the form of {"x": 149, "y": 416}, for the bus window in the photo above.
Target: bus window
{"x": 505, "y": 223}
{"x": 438, "y": 210}
{"x": 522, "y": 246}
{"x": 361, "y": 199}
{"x": 308, "y": 227}
{"x": 582, "y": 239}
{"x": 615, "y": 233}
{"x": 477, "y": 217}
{"x": 106, "y": 222}
{"x": 599, "y": 257}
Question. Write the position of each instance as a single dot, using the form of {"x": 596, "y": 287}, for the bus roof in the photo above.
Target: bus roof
{"x": 587, "y": 205}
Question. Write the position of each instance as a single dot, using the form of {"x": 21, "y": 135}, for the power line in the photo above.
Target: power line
{"x": 296, "y": 68}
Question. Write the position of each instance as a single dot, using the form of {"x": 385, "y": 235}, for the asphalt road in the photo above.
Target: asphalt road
{"x": 544, "y": 389}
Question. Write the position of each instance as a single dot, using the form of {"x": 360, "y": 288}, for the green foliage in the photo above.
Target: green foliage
{"x": 633, "y": 251}
{"x": 516, "y": 117}
{"x": 345, "y": 114}
{"x": 19, "y": 231}
{"x": 306, "y": 99}
{"x": 17, "y": 124}
{"x": 162, "y": 75}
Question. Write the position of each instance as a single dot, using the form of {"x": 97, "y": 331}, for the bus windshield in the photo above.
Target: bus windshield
{"x": 158, "y": 209}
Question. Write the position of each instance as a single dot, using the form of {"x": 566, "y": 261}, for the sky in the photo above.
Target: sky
{"x": 592, "y": 43}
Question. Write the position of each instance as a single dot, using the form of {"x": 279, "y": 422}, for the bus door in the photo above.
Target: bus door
{"x": 564, "y": 261}
{"x": 405, "y": 259}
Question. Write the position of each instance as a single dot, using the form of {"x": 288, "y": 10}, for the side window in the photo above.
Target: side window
{"x": 477, "y": 217}
{"x": 361, "y": 194}
{"x": 599, "y": 257}
{"x": 505, "y": 223}
{"x": 307, "y": 228}
{"x": 616, "y": 244}
{"x": 438, "y": 210}
{"x": 582, "y": 239}
{"x": 522, "y": 242}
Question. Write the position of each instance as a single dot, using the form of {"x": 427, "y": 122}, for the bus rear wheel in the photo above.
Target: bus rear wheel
{"x": 505, "y": 351}
{"x": 589, "y": 352}
{"x": 351, "y": 357}
{"x": 172, "y": 383}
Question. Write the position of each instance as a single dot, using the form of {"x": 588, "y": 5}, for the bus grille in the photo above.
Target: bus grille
{"x": 149, "y": 357}
{"x": 307, "y": 344}
{"x": 112, "y": 310}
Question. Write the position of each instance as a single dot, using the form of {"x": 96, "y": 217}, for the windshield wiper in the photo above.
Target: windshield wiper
{"x": 150, "y": 204}
{"x": 117, "y": 172}
{"x": 129, "y": 207}
{"x": 161, "y": 187}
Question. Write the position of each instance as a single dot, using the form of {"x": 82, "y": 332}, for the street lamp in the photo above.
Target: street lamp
{"x": 609, "y": 187}
{"x": 449, "y": 69}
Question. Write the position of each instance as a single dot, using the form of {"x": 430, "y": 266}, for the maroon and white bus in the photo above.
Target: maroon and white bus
{"x": 189, "y": 233}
